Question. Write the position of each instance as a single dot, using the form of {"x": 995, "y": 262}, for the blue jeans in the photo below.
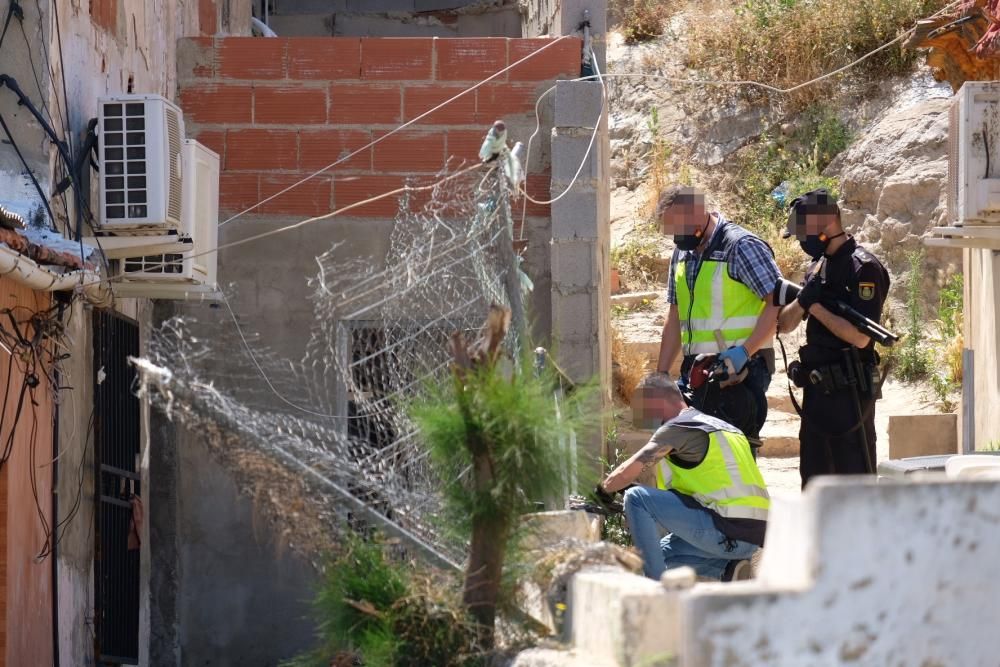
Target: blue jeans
{"x": 692, "y": 537}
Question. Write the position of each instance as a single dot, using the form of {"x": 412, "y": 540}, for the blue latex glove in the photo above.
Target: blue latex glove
{"x": 736, "y": 356}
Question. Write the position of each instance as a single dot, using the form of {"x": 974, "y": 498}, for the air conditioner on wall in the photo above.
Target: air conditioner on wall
{"x": 973, "y": 193}
{"x": 200, "y": 222}
{"x": 141, "y": 137}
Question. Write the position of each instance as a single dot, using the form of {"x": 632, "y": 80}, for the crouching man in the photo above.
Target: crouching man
{"x": 710, "y": 499}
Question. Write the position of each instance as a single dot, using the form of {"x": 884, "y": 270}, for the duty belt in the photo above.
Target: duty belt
{"x": 838, "y": 377}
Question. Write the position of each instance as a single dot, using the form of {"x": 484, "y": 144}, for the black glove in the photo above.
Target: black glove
{"x": 605, "y": 500}
{"x": 811, "y": 293}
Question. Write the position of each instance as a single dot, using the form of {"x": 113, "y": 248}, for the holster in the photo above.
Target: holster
{"x": 837, "y": 376}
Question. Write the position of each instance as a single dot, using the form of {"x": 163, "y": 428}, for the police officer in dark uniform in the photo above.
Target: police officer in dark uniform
{"x": 837, "y": 366}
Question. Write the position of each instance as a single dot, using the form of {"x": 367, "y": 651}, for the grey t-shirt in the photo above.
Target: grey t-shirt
{"x": 689, "y": 445}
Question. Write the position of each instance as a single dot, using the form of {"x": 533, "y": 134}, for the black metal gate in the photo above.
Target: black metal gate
{"x": 116, "y": 432}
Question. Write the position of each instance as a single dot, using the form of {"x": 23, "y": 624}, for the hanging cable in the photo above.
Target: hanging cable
{"x": 590, "y": 144}
{"x": 27, "y": 169}
{"x": 13, "y": 10}
{"x": 397, "y": 129}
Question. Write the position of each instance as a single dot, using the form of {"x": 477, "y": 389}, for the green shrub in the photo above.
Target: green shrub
{"x": 371, "y": 608}
{"x": 787, "y": 42}
{"x": 913, "y": 361}
{"x": 950, "y": 306}
{"x": 614, "y": 529}
{"x": 496, "y": 440}
{"x": 799, "y": 160}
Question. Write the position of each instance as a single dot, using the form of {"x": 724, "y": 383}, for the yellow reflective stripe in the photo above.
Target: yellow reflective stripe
{"x": 720, "y": 439}
{"x": 663, "y": 473}
{"x": 709, "y": 325}
{"x": 726, "y": 481}
{"x": 736, "y": 492}
{"x": 711, "y": 347}
{"x": 719, "y": 303}
{"x": 749, "y": 473}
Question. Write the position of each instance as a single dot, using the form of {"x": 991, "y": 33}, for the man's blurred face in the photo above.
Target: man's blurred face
{"x": 684, "y": 217}
{"x": 813, "y": 224}
{"x": 650, "y": 408}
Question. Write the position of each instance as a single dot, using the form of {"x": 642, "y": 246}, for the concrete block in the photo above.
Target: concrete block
{"x": 576, "y": 215}
{"x": 547, "y": 657}
{"x": 633, "y": 299}
{"x": 578, "y": 103}
{"x": 569, "y": 150}
{"x": 623, "y": 619}
{"x": 544, "y": 529}
{"x": 922, "y": 435}
{"x": 380, "y": 6}
{"x": 572, "y": 15}
{"x": 578, "y": 358}
{"x": 574, "y": 263}
{"x": 573, "y": 316}
{"x": 860, "y": 573}
{"x": 303, "y": 25}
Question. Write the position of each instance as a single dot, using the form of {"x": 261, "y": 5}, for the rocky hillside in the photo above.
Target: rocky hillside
{"x": 890, "y": 174}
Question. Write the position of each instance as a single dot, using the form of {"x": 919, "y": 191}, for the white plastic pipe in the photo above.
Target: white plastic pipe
{"x": 261, "y": 27}
{"x": 29, "y": 273}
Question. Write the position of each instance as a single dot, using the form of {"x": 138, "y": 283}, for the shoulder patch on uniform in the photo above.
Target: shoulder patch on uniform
{"x": 866, "y": 291}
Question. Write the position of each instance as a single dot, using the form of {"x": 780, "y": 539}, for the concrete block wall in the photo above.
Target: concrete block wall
{"x": 564, "y": 17}
{"x": 396, "y": 18}
{"x": 853, "y": 573}
{"x": 580, "y": 245}
{"x": 873, "y": 574}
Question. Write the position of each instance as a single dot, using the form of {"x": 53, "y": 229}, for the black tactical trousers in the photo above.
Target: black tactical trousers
{"x": 825, "y": 446}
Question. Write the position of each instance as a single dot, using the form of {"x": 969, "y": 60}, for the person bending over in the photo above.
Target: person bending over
{"x": 710, "y": 497}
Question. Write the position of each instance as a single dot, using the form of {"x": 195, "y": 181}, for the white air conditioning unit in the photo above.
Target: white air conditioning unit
{"x": 200, "y": 223}
{"x": 140, "y": 162}
{"x": 974, "y": 154}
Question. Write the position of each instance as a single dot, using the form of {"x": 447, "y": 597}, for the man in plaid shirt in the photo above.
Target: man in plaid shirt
{"x": 719, "y": 285}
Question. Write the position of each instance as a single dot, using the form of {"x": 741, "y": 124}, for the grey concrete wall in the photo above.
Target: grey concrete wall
{"x": 580, "y": 245}
{"x": 396, "y": 18}
{"x": 243, "y": 597}
{"x": 564, "y": 17}
{"x": 225, "y": 589}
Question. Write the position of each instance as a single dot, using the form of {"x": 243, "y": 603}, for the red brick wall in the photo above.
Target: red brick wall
{"x": 25, "y": 584}
{"x": 277, "y": 109}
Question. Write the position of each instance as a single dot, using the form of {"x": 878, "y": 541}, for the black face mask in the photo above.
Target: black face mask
{"x": 815, "y": 245}
{"x": 691, "y": 241}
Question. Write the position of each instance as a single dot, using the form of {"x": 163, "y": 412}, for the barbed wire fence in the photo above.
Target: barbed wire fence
{"x": 380, "y": 332}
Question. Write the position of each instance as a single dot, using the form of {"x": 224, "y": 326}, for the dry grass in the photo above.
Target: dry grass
{"x": 629, "y": 366}
{"x": 642, "y": 20}
{"x": 787, "y": 253}
{"x": 787, "y": 42}
{"x": 637, "y": 260}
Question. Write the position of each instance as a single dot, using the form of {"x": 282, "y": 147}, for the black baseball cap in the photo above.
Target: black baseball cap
{"x": 815, "y": 201}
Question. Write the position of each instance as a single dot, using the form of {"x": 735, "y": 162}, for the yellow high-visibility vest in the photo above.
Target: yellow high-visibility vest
{"x": 719, "y": 302}
{"x": 727, "y": 480}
